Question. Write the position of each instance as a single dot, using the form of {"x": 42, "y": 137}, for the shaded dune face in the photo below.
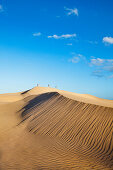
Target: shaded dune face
{"x": 86, "y": 129}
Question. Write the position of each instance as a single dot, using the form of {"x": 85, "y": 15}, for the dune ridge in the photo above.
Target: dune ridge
{"x": 13, "y": 97}
{"x": 54, "y": 131}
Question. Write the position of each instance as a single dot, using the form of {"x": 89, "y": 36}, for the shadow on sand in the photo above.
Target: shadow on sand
{"x": 25, "y": 111}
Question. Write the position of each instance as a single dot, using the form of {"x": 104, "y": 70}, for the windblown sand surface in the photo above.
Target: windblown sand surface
{"x": 46, "y": 128}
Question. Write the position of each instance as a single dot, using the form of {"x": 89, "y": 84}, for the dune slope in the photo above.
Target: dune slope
{"x": 52, "y": 131}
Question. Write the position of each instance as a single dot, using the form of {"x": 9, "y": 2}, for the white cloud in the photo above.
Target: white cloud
{"x": 64, "y": 36}
{"x": 68, "y": 35}
{"x": 106, "y": 63}
{"x": 37, "y": 34}
{"x": 75, "y": 60}
{"x": 102, "y": 66}
{"x": 53, "y": 36}
{"x": 92, "y": 42}
{"x": 97, "y": 61}
{"x": 108, "y": 40}
{"x": 77, "y": 57}
{"x": 69, "y": 44}
{"x": 73, "y": 11}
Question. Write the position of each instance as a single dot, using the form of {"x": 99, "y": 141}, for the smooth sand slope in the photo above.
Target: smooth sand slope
{"x": 46, "y": 128}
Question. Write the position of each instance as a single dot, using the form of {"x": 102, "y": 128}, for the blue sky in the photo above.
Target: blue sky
{"x": 68, "y": 43}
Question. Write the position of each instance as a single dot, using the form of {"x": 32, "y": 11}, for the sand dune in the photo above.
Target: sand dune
{"x": 12, "y": 97}
{"x": 46, "y": 128}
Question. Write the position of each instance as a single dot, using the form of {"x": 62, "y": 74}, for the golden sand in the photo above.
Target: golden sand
{"x": 46, "y": 128}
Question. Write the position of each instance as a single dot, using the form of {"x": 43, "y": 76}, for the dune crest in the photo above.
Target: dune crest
{"x": 86, "y": 98}
{"x": 75, "y": 96}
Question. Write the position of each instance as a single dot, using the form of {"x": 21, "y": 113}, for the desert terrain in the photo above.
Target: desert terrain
{"x": 46, "y": 128}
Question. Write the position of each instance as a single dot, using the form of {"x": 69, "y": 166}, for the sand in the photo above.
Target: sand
{"x": 47, "y": 128}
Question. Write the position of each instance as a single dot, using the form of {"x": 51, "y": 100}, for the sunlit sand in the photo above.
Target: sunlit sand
{"x": 47, "y": 128}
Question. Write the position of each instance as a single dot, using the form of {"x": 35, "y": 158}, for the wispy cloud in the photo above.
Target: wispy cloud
{"x": 97, "y": 73}
{"x": 102, "y": 66}
{"x": 101, "y": 62}
{"x": 37, "y": 34}
{"x": 64, "y": 36}
{"x": 96, "y": 61}
{"x": 70, "y": 11}
{"x": 108, "y": 68}
{"x": 108, "y": 40}
{"x": 92, "y": 42}
{"x": 69, "y": 44}
{"x": 77, "y": 58}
